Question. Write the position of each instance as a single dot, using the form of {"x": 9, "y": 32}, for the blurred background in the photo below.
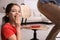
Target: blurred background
{"x": 35, "y": 16}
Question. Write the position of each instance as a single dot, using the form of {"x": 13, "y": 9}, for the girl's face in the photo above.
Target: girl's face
{"x": 15, "y": 10}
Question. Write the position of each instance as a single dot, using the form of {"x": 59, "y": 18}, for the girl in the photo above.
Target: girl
{"x": 11, "y": 23}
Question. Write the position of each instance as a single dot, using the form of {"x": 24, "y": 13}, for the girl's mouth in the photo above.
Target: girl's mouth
{"x": 15, "y": 17}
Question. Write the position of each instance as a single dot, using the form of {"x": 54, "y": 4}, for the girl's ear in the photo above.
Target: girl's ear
{"x": 7, "y": 16}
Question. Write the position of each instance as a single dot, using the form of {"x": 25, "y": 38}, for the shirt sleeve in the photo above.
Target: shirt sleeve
{"x": 7, "y": 32}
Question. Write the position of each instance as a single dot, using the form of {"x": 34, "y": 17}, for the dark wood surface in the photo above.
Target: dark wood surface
{"x": 51, "y": 11}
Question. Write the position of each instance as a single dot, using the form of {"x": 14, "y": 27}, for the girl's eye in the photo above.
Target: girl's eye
{"x": 16, "y": 11}
{"x": 19, "y": 11}
{"x": 13, "y": 11}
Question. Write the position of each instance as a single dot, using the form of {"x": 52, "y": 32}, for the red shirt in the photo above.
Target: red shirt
{"x": 7, "y": 31}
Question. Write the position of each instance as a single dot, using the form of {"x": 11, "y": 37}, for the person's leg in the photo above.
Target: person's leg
{"x": 52, "y": 34}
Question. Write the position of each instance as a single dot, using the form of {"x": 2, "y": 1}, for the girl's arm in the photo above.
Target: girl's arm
{"x": 18, "y": 36}
{"x": 17, "y": 23}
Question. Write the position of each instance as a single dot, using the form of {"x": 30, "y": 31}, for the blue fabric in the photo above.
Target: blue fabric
{"x": 57, "y": 2}
{"x": 44, "y": 1}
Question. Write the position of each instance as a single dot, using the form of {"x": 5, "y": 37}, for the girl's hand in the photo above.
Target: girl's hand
{"x": 17, "y": 20}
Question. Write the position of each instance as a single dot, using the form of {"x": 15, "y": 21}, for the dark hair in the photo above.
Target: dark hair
{"x": 9, "y": 6}
{"x": 7, "y": 11}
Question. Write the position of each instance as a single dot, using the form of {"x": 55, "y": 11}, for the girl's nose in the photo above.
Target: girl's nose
{"x": 17, "y": 13}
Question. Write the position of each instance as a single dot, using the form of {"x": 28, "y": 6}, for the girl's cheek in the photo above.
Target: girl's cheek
{"x": 20, "y": 14}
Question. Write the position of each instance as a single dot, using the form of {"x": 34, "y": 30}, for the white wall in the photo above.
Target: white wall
{"x": 1, "y": 15}
{"x": 3, "y": 3}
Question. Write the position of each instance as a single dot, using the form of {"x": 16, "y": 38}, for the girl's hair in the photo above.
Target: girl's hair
{"x": 5, "y": 19}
